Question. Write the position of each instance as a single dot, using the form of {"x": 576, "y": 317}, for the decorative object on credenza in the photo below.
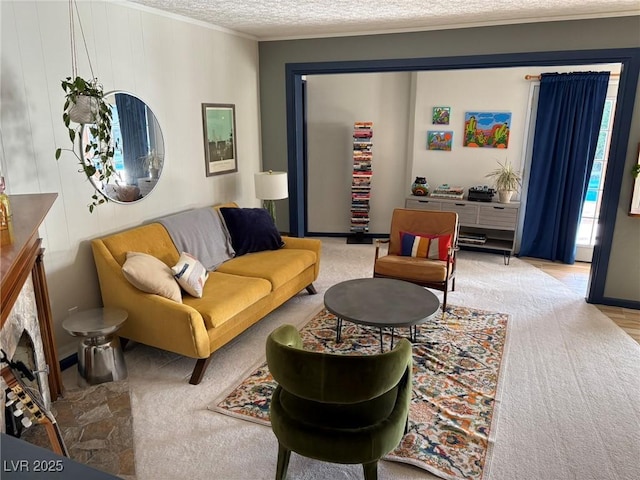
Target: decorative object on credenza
{"x": 420, "y": 187}
{"x": 439, "y": 140}
{"x": 85, "y": 105}
{"x": 447, "y": 191}
{"x": 481, "y": 193}
{"x": 441, "y": 115}
{"x": 507, "y": 181}
{"x": 486, "y": 129}
{"x": 6, "y": 217}
{"x": 219, "y": 124}
{"x": 271, "y": 186}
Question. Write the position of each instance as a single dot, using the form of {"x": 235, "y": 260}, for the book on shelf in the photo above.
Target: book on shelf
{"x": 446, "y": 191}
{"x": 361, "y": 176}
{"x": 475, "y": 238}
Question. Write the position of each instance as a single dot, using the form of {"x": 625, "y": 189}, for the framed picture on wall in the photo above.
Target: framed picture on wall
{"x": 487, "y": 129}
{"x": 439, "y": 140}
{"x": 219, "y": 130}
{"x": 441, "y": 115}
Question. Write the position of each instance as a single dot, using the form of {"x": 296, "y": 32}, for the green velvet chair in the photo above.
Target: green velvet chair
{"x": 337, "y": 408}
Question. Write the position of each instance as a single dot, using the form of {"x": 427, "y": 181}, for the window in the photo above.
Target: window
{"x": 587, "y": 230}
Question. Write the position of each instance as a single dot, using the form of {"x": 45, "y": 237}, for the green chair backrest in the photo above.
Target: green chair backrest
{"x": 334, "y": 378}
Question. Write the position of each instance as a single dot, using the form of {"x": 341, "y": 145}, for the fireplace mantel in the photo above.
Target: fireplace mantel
{"x": 22, "y": 258}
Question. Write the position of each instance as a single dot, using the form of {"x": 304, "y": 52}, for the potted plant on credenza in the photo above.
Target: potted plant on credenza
{"x": 507, "y": 181}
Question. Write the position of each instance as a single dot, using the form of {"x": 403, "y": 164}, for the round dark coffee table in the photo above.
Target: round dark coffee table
{"x": 381, "y": 302}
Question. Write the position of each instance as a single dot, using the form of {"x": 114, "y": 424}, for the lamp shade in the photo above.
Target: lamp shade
{"x": 271, "y": 185}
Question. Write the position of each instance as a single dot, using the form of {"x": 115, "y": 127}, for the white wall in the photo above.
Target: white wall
{"x": 494, "y": 90}
{"x": 334, "y": 103}
{"x": 171, "y": 64}
{"x": 400, "y": 105}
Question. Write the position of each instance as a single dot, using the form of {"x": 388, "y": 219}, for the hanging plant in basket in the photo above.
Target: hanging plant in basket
{"x": 85, "y": 106}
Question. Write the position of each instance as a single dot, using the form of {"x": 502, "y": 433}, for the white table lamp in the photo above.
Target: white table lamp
{"x": 271, "y": 186}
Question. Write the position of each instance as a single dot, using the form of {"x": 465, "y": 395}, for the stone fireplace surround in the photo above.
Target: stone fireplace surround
{"x": 24, "y": 295}
{"x": 24, "y": 318}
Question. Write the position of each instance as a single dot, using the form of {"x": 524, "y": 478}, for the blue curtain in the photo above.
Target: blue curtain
{"x": 133, "y": 128}
{"x": 570, "y": 109}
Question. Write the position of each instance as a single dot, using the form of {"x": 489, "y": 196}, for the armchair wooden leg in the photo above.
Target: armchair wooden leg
{"x": 444, "y": 301}
{"x": 370, "y": 470}
{"x": 123, "y": 343}
{"x": 284, "y": 454}
{"x": 198, "y": 371}
{"x": 311, "y": 289}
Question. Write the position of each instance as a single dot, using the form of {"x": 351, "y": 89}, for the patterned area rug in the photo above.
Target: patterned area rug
{"x": 457, "y": 364}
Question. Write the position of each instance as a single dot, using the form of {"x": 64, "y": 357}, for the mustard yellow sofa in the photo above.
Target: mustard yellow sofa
{"x": 236, "y": 295}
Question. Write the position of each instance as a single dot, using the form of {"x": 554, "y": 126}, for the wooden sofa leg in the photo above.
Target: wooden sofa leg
{"x": 123, "y": 343}
{"x": 198, "y": 371}
{"x": 311, "y": 289}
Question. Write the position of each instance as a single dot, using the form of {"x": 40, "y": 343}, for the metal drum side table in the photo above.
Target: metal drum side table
{"x": 100, "y": 357}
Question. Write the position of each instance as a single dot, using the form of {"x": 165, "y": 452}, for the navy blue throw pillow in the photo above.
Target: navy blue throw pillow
{"x": 251, "y": 230}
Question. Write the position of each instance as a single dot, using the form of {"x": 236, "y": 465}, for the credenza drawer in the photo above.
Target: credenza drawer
{"x": 423, "y": 204}
{"x": 467, "y": 214}
{"x": 499, "y": 217}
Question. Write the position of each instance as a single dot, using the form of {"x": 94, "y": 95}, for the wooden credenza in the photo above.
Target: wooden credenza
{"x": 497, "y": 222}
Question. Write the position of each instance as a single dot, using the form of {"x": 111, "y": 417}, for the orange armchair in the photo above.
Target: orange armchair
{"x": 430, "y": 267}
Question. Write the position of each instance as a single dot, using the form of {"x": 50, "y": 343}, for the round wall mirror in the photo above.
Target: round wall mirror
{"x": 139, "y": 149}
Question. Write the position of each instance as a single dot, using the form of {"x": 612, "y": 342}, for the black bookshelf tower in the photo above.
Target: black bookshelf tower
{"x": 361, "y": 182}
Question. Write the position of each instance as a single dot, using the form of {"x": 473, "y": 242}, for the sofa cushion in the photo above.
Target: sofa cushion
{"x": 147, "y": 273}
{"x": 190, "y": 274}
{"x": 276, "y": 266}
{"x": 152, "y": 239}
{"x": 411, "y": 268}
{"x": 251, "y": 230}
{"x": 225, "y": 296}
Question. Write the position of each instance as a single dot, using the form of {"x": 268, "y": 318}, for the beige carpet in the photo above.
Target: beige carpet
{"x": 569, "y": 407}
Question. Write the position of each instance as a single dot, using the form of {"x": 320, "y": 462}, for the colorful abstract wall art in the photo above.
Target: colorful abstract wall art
{"x": 441, "y": 115}
{"x": 437, "y": 140}
{"x": 487, "y": 129}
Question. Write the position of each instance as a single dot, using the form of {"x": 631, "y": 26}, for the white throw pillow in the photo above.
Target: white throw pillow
{"x": 151, "y": 275}
{"x": 190, "y": 274}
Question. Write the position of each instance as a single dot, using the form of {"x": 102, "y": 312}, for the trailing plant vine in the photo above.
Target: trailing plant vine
{"x": 96, "y": 158}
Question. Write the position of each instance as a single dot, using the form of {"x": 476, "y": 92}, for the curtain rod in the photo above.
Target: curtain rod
{"x": 537, "y": 77}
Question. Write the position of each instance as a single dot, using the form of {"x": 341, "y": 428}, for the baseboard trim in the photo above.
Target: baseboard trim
{"x": 617, "y": 302}
{"x": 69, "y": 361}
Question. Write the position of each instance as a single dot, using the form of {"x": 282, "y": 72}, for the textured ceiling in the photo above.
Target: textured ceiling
{"x": 281, "y": 19}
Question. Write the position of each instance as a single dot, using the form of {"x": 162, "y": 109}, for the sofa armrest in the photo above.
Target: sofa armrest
{"x": 312, "y": 244}
{"x": 152, "y": 319}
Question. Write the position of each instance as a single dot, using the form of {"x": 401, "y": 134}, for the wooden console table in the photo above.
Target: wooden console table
{"x": 23, "y": 257}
